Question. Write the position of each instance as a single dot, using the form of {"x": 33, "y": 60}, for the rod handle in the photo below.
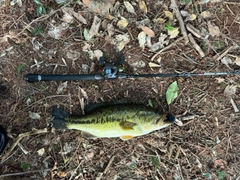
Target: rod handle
{"x": 61, "y": 77}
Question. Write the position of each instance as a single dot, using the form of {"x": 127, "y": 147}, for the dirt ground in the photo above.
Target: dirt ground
{"x": 207, "y": 146}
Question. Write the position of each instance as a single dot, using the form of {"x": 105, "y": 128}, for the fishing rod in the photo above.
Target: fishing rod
{"x": 111, "y": 72}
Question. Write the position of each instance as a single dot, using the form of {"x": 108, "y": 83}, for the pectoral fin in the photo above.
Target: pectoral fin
{"x": 126, "y": 125}
{"x": 88, "y": 135}
{"x": 126, "y": 137}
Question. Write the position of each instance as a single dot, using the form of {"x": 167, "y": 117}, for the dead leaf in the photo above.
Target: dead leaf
{"x": 109, "y": 16}
{"x": 34, "y": 115}
{"x": 129, "y": 7}
{"x": 98, "y": 53}
{"x": 122, "y": 23}
{"x": 169, "y": 15}
{"x": 220, "y": 80}
{"x": 120, "y": 41}
{"x": 41, "y": 151}
{"x": 159, "y": 20}
{"x": 213, "y": 30}
{"x": 67, "y": 17}
{"x": 73, "y": 55}
{"x": 226, "y": 61}
{"x": 13, "y": 35}
{"x": 137, "y": 64}
{"x": 142, "y": 39}
{"x": 184, "y": 13}
{"x": 215, "y": 1}
{"x": 148, "y": 31}
{"x": 110, "y": 30}
{"x": 55, "y": 31}
{"x": 237, "y": 59}
{"x": 153, "y": 65}
{"x": 220, "y": 163}
{"x": 192, "y": 17}
{"x": 142, "y": 6}
{"x": 230, "y": 90}
{"x": 13, "y": 2}
{"x": 78, "y": 15}
{"x": 101, "y": 7}
{"x": 158, "y": 45}
{"x": 95, "y": 27}
{"x": 173, "y": 33}
{"x": 90, "y": 155}
{"x": 206, "y": 14}
{"x": 61, "y": 87}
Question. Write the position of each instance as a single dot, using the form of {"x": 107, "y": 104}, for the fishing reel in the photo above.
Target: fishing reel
{"x": 110, "y": 70}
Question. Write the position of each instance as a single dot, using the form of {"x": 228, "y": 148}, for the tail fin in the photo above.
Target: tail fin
{"x": 59, "y": 118}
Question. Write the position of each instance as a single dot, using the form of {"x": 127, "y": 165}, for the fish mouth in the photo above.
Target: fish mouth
{"x": 169, "y": 118}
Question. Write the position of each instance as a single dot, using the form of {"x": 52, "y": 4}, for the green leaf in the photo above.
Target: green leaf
{"x": 24, "y": 166}
{"x": 172, "y": 92}
{"x": 220, "y": 174}
{"x": 207, "y": 175}
{"x": 36, "y": 31}
{"x": 155, "y": 161}
{"x": 38, "y": 2}
{"x": 20, "y": 67}
{"x": 39, "y": 10}
{"x": 44, "y": 10}
{"x": 184, "y": 1}
{"x": 86, "y": 34}
{"x": 168, "y": 27}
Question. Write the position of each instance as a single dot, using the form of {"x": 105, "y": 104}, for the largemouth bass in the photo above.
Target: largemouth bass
{"x": 119, "y": 120}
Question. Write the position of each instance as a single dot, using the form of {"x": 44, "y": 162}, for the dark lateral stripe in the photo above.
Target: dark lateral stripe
{"x": 107, "y": 119}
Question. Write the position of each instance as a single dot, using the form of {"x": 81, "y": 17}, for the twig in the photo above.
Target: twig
{"x": 22, "y": 148}
{"x": 109, "y": 164}
{"x": 22, "y": 173}
{"x": 223, "y": 54}
{"x": 166, "y": 48}
{"x": 41, "y": 18}
{"x": 19, "y": 138}
{"x": 181, "y": 22}
{"x": 48, "y": 97}
{"x": 193, "y": 30}
{"x": 75, "y": 170}
{"x": 234, "y": 106}
{"x": 196, "y": 46}
{"x": 99, "y": 177}
{"x": 228, "y": 144}
{"x": 225, "y": 2}
{"x": 187, "y": 118}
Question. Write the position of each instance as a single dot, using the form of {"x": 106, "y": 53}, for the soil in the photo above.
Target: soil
{"x": 205, "y": 147}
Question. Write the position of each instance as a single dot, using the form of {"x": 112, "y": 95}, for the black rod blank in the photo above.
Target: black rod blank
{"x": 78, "y": 77}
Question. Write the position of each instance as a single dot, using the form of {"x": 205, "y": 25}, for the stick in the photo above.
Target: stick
{"x": 99, "y": 177}
{"x": 196, "y": 46}
{"x": 234, "y": 106}
{"x": 193, "y": 30}
{"x": 109, "y": 164}
{"x": 19, "y": 138}
{"x": 22, "y": 173}
{"x": 223, "y": 54}
{"x": 166, "y": 48}
{"x": 181, "y": 22}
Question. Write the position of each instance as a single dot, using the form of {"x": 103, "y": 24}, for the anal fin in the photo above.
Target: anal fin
{"x": 126, "y": 137}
